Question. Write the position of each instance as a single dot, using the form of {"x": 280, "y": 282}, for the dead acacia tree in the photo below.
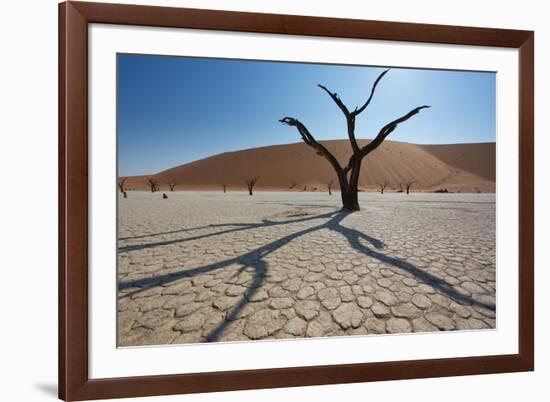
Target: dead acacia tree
{"x": 382, "y": 186}
{"x": 153, "y": 184}
{"x": 329, "y": 185}
{"x": 121, "y": 182}
{"x": 224, "y": 187}
{"x": 348, "y": 175}
{"x": 251, "y": 182}
{"x": 172, "y": 185}
{"x": 408, "y": 185}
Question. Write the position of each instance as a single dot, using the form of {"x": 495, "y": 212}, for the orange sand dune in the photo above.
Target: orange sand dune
{"x": 479, "y": 159}
{"x": 295, "y": 167}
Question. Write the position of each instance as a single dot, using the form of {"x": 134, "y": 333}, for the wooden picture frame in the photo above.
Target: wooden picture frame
{"x": 74, "y": 381}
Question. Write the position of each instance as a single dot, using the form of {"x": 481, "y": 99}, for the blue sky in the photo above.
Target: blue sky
{"x": 173, "y": 110}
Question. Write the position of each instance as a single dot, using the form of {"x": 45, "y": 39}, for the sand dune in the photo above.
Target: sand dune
{"x": 478, "y": 159}
{"x": 295, "y": 167}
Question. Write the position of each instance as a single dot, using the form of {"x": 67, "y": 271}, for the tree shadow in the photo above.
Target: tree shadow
{"x": 254, "y": 259}
{"x": 164, "y": 233}
{"x": 240, "y": 227}
{"x": 354, "y": 236}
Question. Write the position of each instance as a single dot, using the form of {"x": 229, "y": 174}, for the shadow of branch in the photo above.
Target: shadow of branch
{"x": 255, "y": 259}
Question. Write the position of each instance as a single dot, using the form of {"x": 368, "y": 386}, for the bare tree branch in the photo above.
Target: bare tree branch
{"x": 350, "y": 118}
{"x": 387, "y": 129}
{"x": 357, "y": 111}
{"x": 336, "y": 100}
{"x": 312, "y": 142}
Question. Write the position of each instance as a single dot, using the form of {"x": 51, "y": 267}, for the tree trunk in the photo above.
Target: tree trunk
{"x": 348, "y": 191}
{"x": 353, "y": 188}
{"x": 350, "y": 201}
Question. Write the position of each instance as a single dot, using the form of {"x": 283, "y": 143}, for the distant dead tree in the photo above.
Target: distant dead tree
{"x": 172, "y": 185}
{"x": 164, "y": 196}
{"x": 224, "y": 187}
{"x": 408, "y": 185}
{"x": 153, "y": 184}
{"x": 292, "y": 185}
{"x": 121, "y": 182}
{"x": 330, "y": 186}
{"x": 382, "y": 186}
{"x": 251, "y": 182}
{"x": 348, "y": 175}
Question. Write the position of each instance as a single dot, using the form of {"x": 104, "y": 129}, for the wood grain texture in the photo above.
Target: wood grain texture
{"x": 74, "y": 382}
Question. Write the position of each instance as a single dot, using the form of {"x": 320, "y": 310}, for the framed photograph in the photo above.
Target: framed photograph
{"x": 259, "y": 200}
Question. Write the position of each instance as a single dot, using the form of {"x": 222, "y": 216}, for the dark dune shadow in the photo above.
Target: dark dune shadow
{"x": 254, "y": 259}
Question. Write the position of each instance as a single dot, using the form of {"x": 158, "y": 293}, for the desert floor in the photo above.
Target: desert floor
{"x": 208, "y": 266}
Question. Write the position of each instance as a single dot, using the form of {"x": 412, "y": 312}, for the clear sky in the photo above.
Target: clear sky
{"x": 173, "y": 110}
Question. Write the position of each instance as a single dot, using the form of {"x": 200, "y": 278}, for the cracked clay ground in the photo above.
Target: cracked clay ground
{"x": 203, "y": 267}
